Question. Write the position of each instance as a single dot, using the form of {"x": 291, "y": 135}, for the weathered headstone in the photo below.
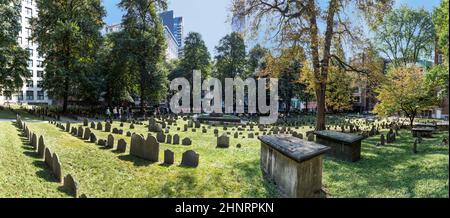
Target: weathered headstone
{"x": 92, "y": 125}
{"x": 41, "y": 147}
{"x": 161, "y": 137}
{"x": 87, "y": 134}
{"x": 110, "y": 141}
{"x": 190, "y": 159}
{"x": 169, "y": 157}
{"x": 48, "y": 158}
{"x": 67, "y": 127}
{"x": 99, "y": 126}
{"x": 108, "y": 127}
{"x": 186, "y": 141}
{"x": 223, "y": 141}
{"x": 34, "y": 140}
{"x": 93, "y": 138}
{"x": 145, "y": 149}
{"x": 382, "y": 140}
{"x": 80, "y": 132}
{"x": 169, "y": 139}
{"x": 176, "y": 139}
{"x": 121, "y": 146}
{"x": 71, "y": 185}
{"x": 56, "y": 167}
{"x": 85, "y": 122}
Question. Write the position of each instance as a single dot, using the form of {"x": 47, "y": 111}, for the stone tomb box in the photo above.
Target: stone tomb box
{"x": 293, "y": 164}
{"x": 343, "y": 146}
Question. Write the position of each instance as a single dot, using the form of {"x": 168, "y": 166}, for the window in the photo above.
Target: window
{"x": 30, "y": 42}
{"x": 28, "y": 21}
{"x": 29, "y": 83}
{"x": 29, "y": 2}
{"x": 40, "y": 95}
{"x": 28, "y": 12}
{"x": 40, "y": 64}
{"x": 39, "y": 84}
{"x": 357, "y": 99}
{"x": 20, "y": 96}
{"x": 19, "y": 40}
{"x": 30, "y": 63}
{"x": 28, "y": 32}
{"x": 31, "y": 73}
{"x": 30, "y": 95}
{"x": 30, "y": 52}
{"x": 356, "y": 90}
{"x": 40, "y": 73}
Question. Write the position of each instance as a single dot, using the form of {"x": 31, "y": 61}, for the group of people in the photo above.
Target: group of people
{"x": 118, "y": 112}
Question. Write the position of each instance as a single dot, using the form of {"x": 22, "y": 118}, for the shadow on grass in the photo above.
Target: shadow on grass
{"x": 393, "y": 169}
{"x": 136, "y": 161}
{"x": 250, "y": 171}
{"x": 44, "y": 172}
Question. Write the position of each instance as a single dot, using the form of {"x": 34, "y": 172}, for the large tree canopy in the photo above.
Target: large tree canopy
{"x": 231, "y": 60}
{"x": 68, "y": 34}
{"x": 406, "y": 91}
{"x": 440, "y": 18}
{"x": 405, "y": 35}
{"x": 300, "y": 22}
{"x": 196, "y": 57}
{"x": 146, "y": 48}
{"x": 13, "y": 59}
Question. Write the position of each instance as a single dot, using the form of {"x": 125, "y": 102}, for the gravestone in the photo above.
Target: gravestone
{"x": 169, "y": 139}
{"x": 34, "y": 140}
{"x": 153, "y": 126}
{"x": 115, "y": 131}
{"x": 85, "y": 122}
{"x": 108, "y": 127}
{"x": 343, "y": 146}
{"x": 87, "y": 134}
{"x": 190, "y": 159}
{"x": 131, "y": 126}
{"x": 41, "y": 147}
{"x": 236, "y": 135}
{"x": 93, "y": 138}
{"x": 121, "y": 146}
{"x": 99, "y": 126}
{"x": 101, "y": 142}
{"x": 187, "y": 141}
{"x": 48, "y": 159}
{"x": 161, "y": 137}
{"x": 80, "y": 132}
{"x": 92, "y": 125}
{"x": 145, "y": 149}
{"x": 56, "y": 167}
{"x": 251, "y": 135}
{"x": 311, "y": 137}
{"x": 110, "y": 141}
{"x": 128, "y": 134}
{"x": 71, "y": 185}
{"x": 223, "y": 141}
{"x": 293, "y": 164}
{"x": 238, "y": 146}
{"x": 169, "y": 157}
{"x": 67, "y": 127}
{"x": 176, "y": 139}
{"x": 382, "y": 140}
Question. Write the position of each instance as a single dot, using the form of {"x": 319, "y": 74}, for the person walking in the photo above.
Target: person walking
{"x": 108, "y": 115}
{"x": 115, "y": 112}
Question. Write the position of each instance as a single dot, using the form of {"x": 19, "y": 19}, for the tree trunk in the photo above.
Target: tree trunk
{"x": 65, "y": 95}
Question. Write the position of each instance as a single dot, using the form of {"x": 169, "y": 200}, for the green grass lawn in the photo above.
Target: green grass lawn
{"x": 389, "y": 171}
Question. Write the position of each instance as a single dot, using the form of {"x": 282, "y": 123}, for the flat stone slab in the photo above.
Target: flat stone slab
{"x": 339, "y": 136}
{"x": 294, "y": 148}
{"x": 423, "y": 129}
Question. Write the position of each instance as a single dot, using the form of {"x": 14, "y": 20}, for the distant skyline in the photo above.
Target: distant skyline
{"x": 212, "y": 18}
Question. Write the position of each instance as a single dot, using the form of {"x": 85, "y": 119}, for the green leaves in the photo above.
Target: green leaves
{"x": 406, "y": 35}
{"x": 13, "y": 59}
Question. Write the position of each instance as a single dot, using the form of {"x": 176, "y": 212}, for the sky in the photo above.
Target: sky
{"x": 211, "y": 18}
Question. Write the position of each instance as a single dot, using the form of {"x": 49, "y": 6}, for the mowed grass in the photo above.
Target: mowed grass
{"x": 22, "y": 175}
{"x": 388, "y": 171}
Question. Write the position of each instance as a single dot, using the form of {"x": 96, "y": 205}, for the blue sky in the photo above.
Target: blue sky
{"x": 211, "y": 18}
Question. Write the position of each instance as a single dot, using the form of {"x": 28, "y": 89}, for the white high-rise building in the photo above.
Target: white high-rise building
{"x": 31, "y": 92}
